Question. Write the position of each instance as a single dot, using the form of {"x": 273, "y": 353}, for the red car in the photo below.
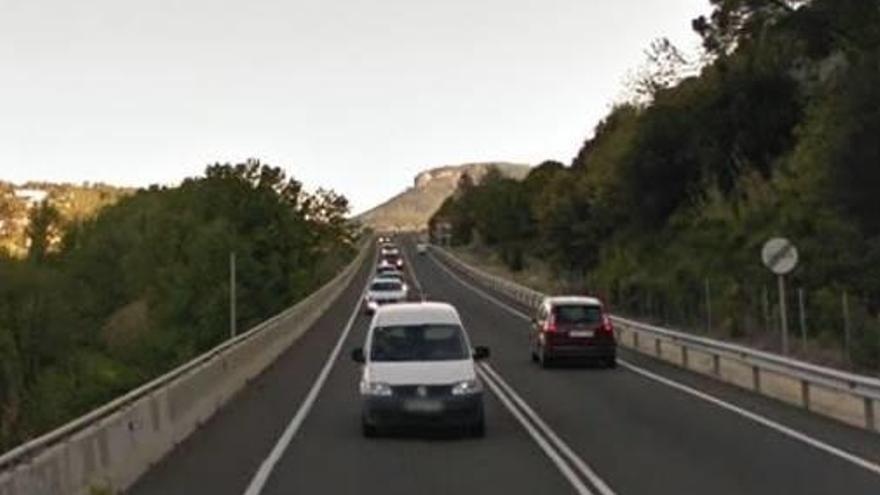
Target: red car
{"x": 572, "y": 327}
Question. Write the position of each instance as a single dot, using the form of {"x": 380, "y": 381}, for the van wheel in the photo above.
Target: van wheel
{"x": 611, "y": 363}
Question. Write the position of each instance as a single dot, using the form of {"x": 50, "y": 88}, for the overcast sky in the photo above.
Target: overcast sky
{"x": 355, "y": 95}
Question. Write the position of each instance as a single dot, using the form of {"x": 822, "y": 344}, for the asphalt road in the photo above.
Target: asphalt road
{"x": 569, "y": 430}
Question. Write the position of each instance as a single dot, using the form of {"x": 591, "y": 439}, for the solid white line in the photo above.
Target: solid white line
{"x": 757, "y": 418}
{"x": 488, "y": 374}
{"x": 485, "y": 295}
{"x": 554, "y": 456}
{"x": 575, "y": 459}
{"x": 792, "y": 433}
{"x": 262, "y": 476}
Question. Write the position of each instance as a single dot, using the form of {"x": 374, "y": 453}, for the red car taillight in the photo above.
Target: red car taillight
{"x": 607, "y": 327}
{"x": 550, "y": 325}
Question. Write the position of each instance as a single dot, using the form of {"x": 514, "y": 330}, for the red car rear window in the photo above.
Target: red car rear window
{"x": 574, "y": 314}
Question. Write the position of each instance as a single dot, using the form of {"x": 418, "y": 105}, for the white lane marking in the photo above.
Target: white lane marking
{"x": 412, "y": 271}
{"x": 490, "y": 376}
{"x": 479, "y": 291}
{"x": 757, "y": 418}
{"x": 554, "y": 456}
{"x": 575, "y": 459}
{"x": 262, "y": 476}
{"x": 785, "y": 430}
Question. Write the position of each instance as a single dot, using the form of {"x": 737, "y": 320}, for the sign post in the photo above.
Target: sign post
{"x": 233, "y": 327}
{"x": 781, "y": 257}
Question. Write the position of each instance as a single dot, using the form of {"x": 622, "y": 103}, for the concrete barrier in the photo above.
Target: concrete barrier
{"x": 108, "y": 449}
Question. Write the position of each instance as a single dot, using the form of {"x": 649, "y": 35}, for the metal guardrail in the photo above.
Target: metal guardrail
{"x": 75, "y": 456}
{"x": 864, "y": 388}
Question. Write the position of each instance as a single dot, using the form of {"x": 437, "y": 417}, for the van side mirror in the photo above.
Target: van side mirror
{"x": 481, "y": 352}
{"x": 357, "y": 355}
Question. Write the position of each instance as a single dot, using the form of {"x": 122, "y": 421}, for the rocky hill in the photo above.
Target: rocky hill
{"x": 411, "y": 209}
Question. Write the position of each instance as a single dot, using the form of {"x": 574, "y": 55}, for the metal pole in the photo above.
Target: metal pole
{"x": 803, "y": 311}
{"x": 232, "y": 318}
{"x": 846, "y": 327}
{"x": 783, "y": 320}
{"x": 708, "y": 307}
{"x": 768, "y": 326}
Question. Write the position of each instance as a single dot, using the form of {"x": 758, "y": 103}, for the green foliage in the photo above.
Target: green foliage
{"x": 143, "y": 286}
{"x": 778, "y": 135}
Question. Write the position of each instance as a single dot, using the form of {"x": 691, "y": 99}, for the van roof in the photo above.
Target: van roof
{"x": 416, "y": 312}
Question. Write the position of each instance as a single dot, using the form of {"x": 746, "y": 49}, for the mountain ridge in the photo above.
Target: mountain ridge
{"x": 412, "y": 208}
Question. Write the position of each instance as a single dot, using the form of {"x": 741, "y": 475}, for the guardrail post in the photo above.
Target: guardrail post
{"x": 716, "y": 364}
{"x": 756, "y": 378}
{"x": 869, "y": 413}
{"x": 684, "y": 356}
{"x": 805, "y": 394}
{"x": 658, "y": 347}
{"x": 635, "y": 339}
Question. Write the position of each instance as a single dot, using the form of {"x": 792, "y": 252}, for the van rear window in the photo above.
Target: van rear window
{"x": 418, "y": 343}
{"x": 577, "y": 314}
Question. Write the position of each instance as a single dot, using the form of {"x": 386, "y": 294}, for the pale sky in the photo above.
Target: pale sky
{"x": 354, "y": 95}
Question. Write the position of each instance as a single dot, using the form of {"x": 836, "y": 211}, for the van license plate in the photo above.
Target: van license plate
{"x": 423, "y": 406}
{"x": 581, "y": 333}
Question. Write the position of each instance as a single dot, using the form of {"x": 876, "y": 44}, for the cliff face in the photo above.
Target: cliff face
{"x": 411, "y": 209}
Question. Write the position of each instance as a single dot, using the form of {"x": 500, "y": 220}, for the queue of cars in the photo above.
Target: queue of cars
{"x": 418, "y": 367}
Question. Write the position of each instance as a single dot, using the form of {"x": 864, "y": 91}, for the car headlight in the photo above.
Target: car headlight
{"x": 376, "y": 389}
{"x": 467, "y": 387}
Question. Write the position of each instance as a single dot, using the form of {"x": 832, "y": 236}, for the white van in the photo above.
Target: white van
{"x": 418, "y": 370}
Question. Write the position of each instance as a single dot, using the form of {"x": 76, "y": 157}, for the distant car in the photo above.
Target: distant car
{"x": 389, "y": 251}
{"x": 386, "y": 267}
{"x": 418, "y": 370}
{"x": 395, "y": 260}
{"x": 384, "y": 291}
{"x": 393, "y": 275}
{"x": 422, "y": 248}
{"x": 572, "y": 327}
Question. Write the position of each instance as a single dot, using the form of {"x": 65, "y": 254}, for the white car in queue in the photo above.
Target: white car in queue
{"x": 419, "y": 371}
{"x": 384, "y": 291}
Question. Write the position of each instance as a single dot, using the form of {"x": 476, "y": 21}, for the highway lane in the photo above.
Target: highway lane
{"x": 625, "y": 430}
{"x": 222, "y": 456}
{"x": 644, "y": 437}
{"x": 329, "y": 455}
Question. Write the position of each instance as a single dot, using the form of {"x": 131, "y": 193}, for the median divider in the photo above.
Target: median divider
{"x": 106, "y": 450}
{"x": 848, "y": 397}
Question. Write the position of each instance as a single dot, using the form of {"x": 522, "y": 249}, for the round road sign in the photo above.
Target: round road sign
{"x": 779, "y": 255}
